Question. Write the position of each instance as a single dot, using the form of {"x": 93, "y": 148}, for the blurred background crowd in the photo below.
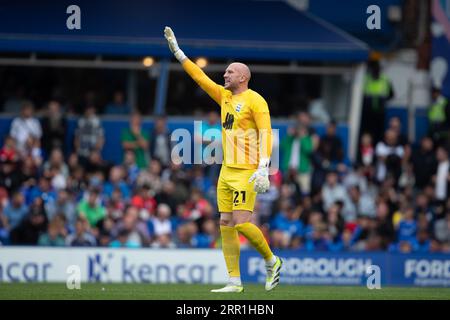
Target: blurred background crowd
{"x": 393, "y": 197}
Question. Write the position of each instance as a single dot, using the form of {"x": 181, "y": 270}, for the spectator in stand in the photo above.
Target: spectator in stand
{"x": 64, "y": 205}
{"x": 442, "y": 230}
{"x": 333, "y": 191}
{"x": 144, "y": 200}
{"x": 424, "y": 162}
{"x": 118, "y": 106}
{"x": 330, "y": 147}
{"x": 197, "y": 208}
{"x": 160, "y": 144}
{"x": 328, "y": 156}
{"x": 407, "y": 227}
{"x": 297, "y": 148}
{"x": 25, "y": 129}
{"x": 54, "y": 128}
{"x": 10, "y": 177}
{"x": 77, "y": 184}
{"x": 185, "y": 235}
{"x": 124, "y": 240}
{"x": 116, "y": 181}
{"x": 9, "y": 152}
{"x": 286, "y": 226}
{"x": 43, "y": 191}
{"x": 389, "y": 157}
{"x": 32, "y": 225}
{"x": 116, "y": 205}
{"x": 15, "y": 211}
{"x": 385, "y": 228}
{"x": 363, "y": 234}
{"x": 92, "y": 208}
{"x": 96, "y": 163}
{"x": 163, "y": 241}
{"x": 442, "y": 175}
{"x": 151, "y": 176}
{"x": 335, "y": 222}
{"x": 81, "y": 237}
{"x": 422, "y": 243}
{"x": 137, "y": 229}
{"x": 208, "y": 236}
{"x": 131, "y": 168}
{"x": 136, "y": 139}
{"x": 319, "y": 239}
{"x": 56, "y": 169}
{"x": 89, "y": 135}
{"x": 55, "y": 235}
{"x": 396, "y": 125}
{"x": 161, "y": 223}
{"x": 366, "y": 154}
{"x": 167, "y": 195}
{"x": 358, "y": 204}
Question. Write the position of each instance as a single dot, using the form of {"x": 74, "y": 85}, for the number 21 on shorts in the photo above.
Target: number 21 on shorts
{"x": 238, "y": 195}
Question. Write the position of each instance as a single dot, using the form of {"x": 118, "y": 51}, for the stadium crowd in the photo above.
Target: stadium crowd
{"x": 394, "y": 197}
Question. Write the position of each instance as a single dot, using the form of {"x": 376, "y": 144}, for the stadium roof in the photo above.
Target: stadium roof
{"x": 269, "y": 30}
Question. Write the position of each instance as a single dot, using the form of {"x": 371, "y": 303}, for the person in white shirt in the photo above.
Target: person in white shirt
{"x": 25, "y": 127}
{"x": 333, "y": 191}
{"x": 442, "y": 177}
{"x": 389, "y": 154}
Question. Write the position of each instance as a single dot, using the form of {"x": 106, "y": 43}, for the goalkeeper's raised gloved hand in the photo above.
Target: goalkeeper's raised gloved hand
{"x": 261, "y": 176}
{"x": 173, "y": 45}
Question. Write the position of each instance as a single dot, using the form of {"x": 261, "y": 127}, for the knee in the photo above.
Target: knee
{"x": 238, "y": 220}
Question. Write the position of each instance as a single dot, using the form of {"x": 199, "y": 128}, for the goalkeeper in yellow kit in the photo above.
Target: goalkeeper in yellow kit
{"x": 247, "y": 146}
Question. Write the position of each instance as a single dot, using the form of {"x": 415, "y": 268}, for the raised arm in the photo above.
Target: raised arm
{"x": 195, "y": 72}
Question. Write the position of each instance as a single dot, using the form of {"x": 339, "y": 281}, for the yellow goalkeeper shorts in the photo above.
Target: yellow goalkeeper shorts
{"x": 234, "y": 192}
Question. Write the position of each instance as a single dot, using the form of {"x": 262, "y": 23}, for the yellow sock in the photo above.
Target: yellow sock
{"x": 231, "y": 250}
{"x": 256, "y": 238}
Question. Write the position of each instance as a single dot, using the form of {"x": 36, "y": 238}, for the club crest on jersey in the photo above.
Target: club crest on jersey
{"x": 239, "y": 107}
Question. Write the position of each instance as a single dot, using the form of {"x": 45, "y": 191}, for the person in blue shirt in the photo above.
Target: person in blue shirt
{"x": 116, "y": 181}
{"x": 319, "y": 240}
{"x": 423, "y": 242}
{"x": 123, "y": 241}
{"x": 407, "y": 227}
{"x": 16, "y": 210}
{"x": 287, "y": 222}
{"x": 208, "y": 235}
{"x": 43, "y": 190}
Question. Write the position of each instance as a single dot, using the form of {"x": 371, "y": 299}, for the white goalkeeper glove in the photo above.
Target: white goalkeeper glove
{"x": 173, "y": 45}
{"x": 261, "y": 176}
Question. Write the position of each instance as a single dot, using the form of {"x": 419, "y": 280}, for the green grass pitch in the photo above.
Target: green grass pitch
{"x": 91, "y": 291}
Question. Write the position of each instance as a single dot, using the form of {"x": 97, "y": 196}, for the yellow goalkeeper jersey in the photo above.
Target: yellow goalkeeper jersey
{"x": 246, "y": 127}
